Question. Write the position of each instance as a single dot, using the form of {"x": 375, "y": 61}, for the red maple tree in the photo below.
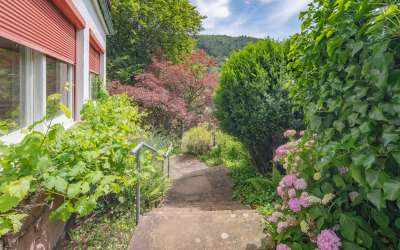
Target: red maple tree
{"x": 176, "y": 94}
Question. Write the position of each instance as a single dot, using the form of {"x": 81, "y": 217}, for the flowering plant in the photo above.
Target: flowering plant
{"x": 321, "y": 205}
{"x": 295, "y": 218}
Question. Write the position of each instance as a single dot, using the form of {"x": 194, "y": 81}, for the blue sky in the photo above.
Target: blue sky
{"x": 258, "y": 18}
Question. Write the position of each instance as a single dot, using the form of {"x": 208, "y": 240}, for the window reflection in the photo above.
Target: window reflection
{"x": 58, "y": 82}
{"x": 11, "y": 86}
{"x": 94, "y": 85}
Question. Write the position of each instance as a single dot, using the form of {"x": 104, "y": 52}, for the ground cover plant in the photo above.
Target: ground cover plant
{"x": 86, "y": 165}
{"x": 342, "y": 188}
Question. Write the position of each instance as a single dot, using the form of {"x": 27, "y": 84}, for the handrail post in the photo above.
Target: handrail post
{"x": 138, "y": 187}
{"x": 136, "y": 152}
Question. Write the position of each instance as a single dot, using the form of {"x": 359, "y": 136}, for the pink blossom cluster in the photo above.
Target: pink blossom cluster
{"x": 284, "y": 149}
{"x": 281, "y": 151}
{"x": 328, "y": 240}
{"x": 282, "y": 224}
{"x": 282, "y": 247}
{"x": 290, "y": 133}
{"x": 288, "y": 188}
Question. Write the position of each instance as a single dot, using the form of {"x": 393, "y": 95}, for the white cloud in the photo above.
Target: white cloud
{"x": 286, "y": 10}
{"x": 259, "y": 18}
{"x": 214, "y": 10}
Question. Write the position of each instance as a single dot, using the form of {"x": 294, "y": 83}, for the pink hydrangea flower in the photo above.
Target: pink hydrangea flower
{"x": 280, "y": 191}
{"x": 281, "y": 151}
{"x": 289, "y": 180}
{"x": 292, "y": 193}
{"x": 294, "y": 205}
{"x": 300, "y": 184}
{"x": 302, "y": 133}
{"x": 328, "y": 240}
{"x": 282, "y": 226}
{"x": 282, "y": 247}
{"x": 304, "y": 200}
{"x": 275, "y": 217}
{"x": 289, "y": 133}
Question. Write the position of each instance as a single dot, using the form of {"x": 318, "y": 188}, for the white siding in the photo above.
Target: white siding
{"x": 94, "y": 21}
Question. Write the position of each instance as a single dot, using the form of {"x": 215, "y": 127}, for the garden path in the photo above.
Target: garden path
{"x": 199, "y": 214}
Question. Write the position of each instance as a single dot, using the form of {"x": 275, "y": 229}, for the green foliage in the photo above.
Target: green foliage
{"x": 221, "y": 46}
{"x": 83, "y": 164}
{"x": 250, "y": 102}
{"x": 143, "y": 28}
{"x": 346, "y": 63}
{"x": 248, "y": 185}
{"x": 197, "y": 140}
{"x": 110, "y": 231}
{"x": 115, "y": 220}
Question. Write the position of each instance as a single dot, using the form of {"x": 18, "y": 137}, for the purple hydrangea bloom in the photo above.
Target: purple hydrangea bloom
{"x": 294, "y": 205}
{"x": 281, "y": 151}
{"x": 282, "y": 247}
{"x": 304, "y": 200}
{"x": 292, "y": 193}
{"x": 289, "y": 180}
{"x": 300, "y": 184}
{"x": 280, "y": 191}
{"x": 282, "y": 226}
{"x": 328, "y": 240}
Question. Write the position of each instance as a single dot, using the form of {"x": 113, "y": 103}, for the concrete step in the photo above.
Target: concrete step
{"x": 199, "y": 214}
{"x": 224, "y": 205}
{"x": 180, "y": 229}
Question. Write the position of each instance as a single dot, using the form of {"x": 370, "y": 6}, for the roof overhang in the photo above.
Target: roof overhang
{"x": 103, "y": 10}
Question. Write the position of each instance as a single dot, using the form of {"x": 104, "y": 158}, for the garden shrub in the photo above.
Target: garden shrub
{"x": 250, "y": 102}
{"x": 197, "y": 140}
{"x": 175, "y": 95}
{"x": 346, "y": 62}
{"x": 84, "y": 164}
{"x": 228, "y": 151}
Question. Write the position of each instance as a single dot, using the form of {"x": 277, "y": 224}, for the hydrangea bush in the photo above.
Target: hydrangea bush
{"x": 324, "y": 208}
{"x": 346, "y": 63}
{"x": 302, "y": 220}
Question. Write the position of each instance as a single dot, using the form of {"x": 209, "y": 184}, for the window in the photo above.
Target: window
{"x": 12, "y": 86}
{"x": 27, "y": 79}
{"x": 58, "y": 82}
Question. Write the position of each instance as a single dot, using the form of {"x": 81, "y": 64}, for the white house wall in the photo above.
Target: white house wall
{"x": 90, "y": 13}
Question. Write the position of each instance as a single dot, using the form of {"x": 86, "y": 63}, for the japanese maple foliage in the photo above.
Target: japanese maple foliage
{"x": 176, "y": 94}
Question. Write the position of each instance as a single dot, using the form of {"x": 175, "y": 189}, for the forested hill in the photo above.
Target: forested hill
{"x": 221, "y": 46}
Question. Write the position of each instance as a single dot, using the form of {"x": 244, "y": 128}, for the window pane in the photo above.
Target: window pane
{"x": 94, "y": 86}
{"x": 57, "y": 82}
{"x": 11, "y": 87}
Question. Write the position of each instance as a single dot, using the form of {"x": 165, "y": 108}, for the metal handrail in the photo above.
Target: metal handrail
{"x": 136, "y": 152}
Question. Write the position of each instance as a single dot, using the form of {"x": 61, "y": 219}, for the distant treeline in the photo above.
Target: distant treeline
{"x": 221, "y": 46}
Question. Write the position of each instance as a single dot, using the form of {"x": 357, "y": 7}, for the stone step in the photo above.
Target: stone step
{"x": 199, "y": 212}
{"x": 221, "y": 205}
{"x": 199, "y": 230}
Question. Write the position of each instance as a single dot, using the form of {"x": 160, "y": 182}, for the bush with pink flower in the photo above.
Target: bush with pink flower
{"x": 320, "y": 205}
{"x": 297, "y": 216}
